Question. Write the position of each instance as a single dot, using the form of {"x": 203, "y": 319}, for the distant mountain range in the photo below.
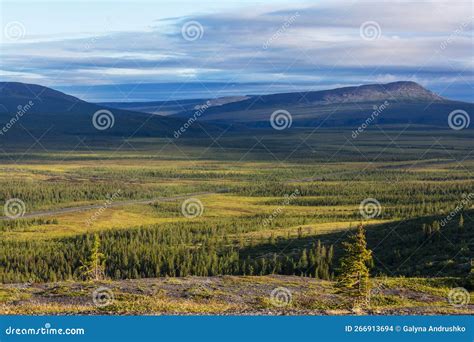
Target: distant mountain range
{"x": 172, "y": 107}
{"x": 395, "y": 103}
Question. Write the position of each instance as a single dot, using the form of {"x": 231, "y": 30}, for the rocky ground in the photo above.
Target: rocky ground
{"x": 229, "y": 295}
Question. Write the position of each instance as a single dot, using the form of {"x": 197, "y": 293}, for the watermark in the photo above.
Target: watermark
{"x": 103, "y": 208}
{"x": 457, "y": 32}
{"x": 281, "y": 119}
{"x": 280, "y": 297}
{"x": 14, "y": 208}
{"x": 192, "y": 207}
{"x": 459, "y": 297}
{"x": 287, "y": 200}
{"x": 102, "y": 297}
{"x": 467, "y": 199}
{"x": 281, "y": 30}
{"x": 200, "y": 110}
{"x": 21, "y": 110}
{"x": 370, "y": 30}
{"x": 92, "y": 42}
{"x": 46, "y": 330}
{"x": 377, "y": 290}
{"x": 103, "y": 119}
{"x": 377, "y": 110}
{"x": 192, "y": 31}
{"x": 370, "y": 208}
{"x": 458, "y": 119}
{"x": 14, "y": 30}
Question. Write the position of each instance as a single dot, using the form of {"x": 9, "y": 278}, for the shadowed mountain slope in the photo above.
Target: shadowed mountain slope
{"x": 394, "y": 103}
{"x": 30, "y": 107}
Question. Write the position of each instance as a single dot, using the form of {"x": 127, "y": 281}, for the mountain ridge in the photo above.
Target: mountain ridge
{"x": 366, "y": 92}
{"x": 407, "y": 103}
{"x": 401, "y": 90}
{"x": 44, "y": 108}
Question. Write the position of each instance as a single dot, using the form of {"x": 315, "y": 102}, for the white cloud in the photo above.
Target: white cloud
{"x": 427, "y": 40}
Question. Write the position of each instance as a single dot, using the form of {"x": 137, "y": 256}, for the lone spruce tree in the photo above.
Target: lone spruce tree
{"x": 461, "y": 222}
{"x": 94, "y": 267}
{"x": 353, "y": 278}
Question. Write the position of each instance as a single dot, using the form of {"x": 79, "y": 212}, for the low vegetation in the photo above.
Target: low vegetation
{"x": 258, "y": 218}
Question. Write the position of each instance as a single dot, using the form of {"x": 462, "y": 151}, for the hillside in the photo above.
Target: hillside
{"x": 407, "y": 102}
{"x": 227, "y": 295}
{"x": 173, "y": 106}
{"x": 401, "y": 248}
{"x": 37, "y": 109}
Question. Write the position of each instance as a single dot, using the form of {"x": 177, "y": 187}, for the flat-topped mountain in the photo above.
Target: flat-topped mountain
{"x": 403, "y": 90}
{"x": 402, "y": 102}
{"x": 373, "y": 92}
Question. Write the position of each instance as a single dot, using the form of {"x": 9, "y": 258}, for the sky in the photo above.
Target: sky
{"x": 158, "y": 50}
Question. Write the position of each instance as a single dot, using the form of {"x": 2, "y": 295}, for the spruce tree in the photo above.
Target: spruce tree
{"x": 353, "y": 279}
{"x": 94, "y": 267}
{"x": 461, "y": 222}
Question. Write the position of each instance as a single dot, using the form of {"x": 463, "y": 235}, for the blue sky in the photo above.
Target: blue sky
{"x": 116, "y": 50}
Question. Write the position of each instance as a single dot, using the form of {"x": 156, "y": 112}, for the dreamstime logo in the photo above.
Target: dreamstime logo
{"x": 457, "y": 32}
{"x": 370, "y": 30}
{"x": 45, "y": 330}
{"x": 14, "y": 208}
{"x": 281, "y": 30}
{"x": 464, "y": 203}
{"x": 192, "y": 30}
{"x": 197, "y": 114}
{"x": 376, "y": 291}
{"x": 103, "y": 296}
{"x": 370, "y": 208}
{"x": 104, "y": 207}
{"x": 281, "y": 119}
{"x": 280, "y": 297}
{"x": 458, "y": 119}
{"x": 14, "y": 30}
{"x": 21, "y": 110}
{"x": 93, "y": 41}
{"x": 103, "y": 119}
{"x": 459, "y": 296}
{"x": 377, "y": 110}
{"x": 192, "y": 207}
{"x": 277, "y": 211}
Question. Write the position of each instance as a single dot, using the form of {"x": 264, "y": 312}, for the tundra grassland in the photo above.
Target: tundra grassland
{"x": 215, "y": 225}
